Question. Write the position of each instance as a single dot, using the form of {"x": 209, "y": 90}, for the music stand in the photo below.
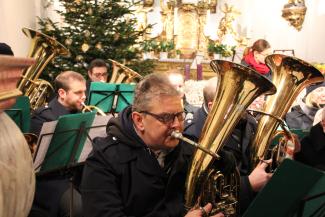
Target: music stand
{"x": 282, "y": 194}
{"x": 314, "y": 203}
{"x": 125, "y": 96}
{"x": 102, "y": 95}
{"x": 20, "y": 113}
{"x": 66, "y": 144}
{"x": 110, "y": 98}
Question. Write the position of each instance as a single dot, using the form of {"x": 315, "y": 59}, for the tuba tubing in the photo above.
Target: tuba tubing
{"x": 90, "y": 108}
{"x": 43, "y": 49}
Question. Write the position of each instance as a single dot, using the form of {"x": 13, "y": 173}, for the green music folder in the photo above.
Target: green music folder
{"x": 102, "y": 95}
{"x": 20, "y": 113}
{"x": 125, "y": 97}
{"x": 282, "y": 195}
{"x": 110, "y": 98}
{"x": 67, "y": 141}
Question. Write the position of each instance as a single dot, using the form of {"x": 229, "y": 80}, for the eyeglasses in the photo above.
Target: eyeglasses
{"x": 166, "y": 118}
{"x": 98, "y": 75}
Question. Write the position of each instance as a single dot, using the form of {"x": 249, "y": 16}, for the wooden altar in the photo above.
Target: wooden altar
{"x": 163, "y": 65}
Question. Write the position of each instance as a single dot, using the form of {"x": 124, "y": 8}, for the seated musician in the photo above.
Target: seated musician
{"x": 312, "y": 149}
{"x": 177, "y": 80}
{"x": 71, "y": 87}
{"x": 238, "y": 144}
{"x": 139, "y": 169}
{"x": 97, "y": 72}
{"x": 302, "y": 115}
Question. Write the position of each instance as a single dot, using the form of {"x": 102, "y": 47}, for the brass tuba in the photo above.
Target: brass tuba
{"x": 290, "y": 75}
{"x": 43, "y": 49}
{"x": 237, "y": 88}
{"x": 123, "y": 74}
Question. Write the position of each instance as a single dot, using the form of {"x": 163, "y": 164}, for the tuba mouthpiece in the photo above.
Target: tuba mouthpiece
{"x": 178, "y": 135}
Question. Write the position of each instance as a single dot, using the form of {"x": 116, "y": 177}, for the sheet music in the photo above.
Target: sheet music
{"x": 98, "y": 129}
{"x": 43, "y": 143}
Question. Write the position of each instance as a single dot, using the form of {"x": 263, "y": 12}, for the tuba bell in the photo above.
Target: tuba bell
{"x": 123, "y": 74}
{"x": 290, "y": 75}
{"x": 43, "y": 49}
{"x": 237, "y": 88}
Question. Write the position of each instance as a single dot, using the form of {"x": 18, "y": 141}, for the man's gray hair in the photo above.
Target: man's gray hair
{"x": 210, "y": 89}
{"x": 152, "y": 87}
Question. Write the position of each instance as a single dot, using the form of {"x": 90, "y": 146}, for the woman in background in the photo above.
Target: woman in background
{"x": 254, "y": 57}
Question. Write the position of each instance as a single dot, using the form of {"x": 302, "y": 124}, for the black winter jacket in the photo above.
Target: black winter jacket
{"x": 298, "y": 119}
{"x": 312, "y": 150}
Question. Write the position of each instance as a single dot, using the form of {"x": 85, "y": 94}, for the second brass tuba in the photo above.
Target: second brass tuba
{"x": 237, "y": 88}
{"x": 123, "y": 74}
{"x": 290, "y": 75}
{"x": 43, "y": 49}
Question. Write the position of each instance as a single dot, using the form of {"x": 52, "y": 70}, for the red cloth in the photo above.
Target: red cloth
{"x": 259, "y": 67}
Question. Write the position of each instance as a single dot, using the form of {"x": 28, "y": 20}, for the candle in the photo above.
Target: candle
{"x": 199, "y": 73}
{"x": 187, "y": 72}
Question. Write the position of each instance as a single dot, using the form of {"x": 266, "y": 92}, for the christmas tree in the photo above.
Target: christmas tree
{"x": 96, "y": 29}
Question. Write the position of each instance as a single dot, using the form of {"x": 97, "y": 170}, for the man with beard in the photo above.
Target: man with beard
{"x": 71, "y": 87}
{"x": 139, "y": 169}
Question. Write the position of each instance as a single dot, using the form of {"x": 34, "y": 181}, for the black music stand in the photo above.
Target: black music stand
{"x": 102, "y": 95}
{"x": 65, "y": 147}
{"x": 125, "y": 94}
{"x": 314, "y": 203}
{"x": 110, "y": 98}
{"x": 59, "y": 154}
{"x": 282, "y": 195}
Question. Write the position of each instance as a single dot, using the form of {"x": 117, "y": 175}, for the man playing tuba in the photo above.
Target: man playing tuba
{"x": 139, "y": 169}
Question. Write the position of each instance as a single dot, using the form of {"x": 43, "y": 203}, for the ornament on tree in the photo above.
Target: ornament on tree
{"x": 99, "y": 46}
{"x": 71, "y": 9}
{"x": 79, "y": 58}
{"x": 84, "y": 47}
{"x": 77, "y": 2}
{"x": 68, "y": 41}
{"x": 87, "y": 33}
